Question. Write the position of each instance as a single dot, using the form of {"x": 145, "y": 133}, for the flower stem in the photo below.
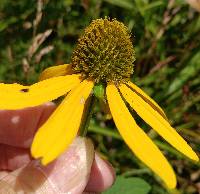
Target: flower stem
{"x": 87, "y": 116}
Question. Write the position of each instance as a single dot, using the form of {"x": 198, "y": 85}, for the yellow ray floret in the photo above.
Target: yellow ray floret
{"x": 62, "y": 127}
{"x": 136, "y": 139}
{"x": 55, "y": 71}
{"x": 147, "y": 99}
{"x": 156, "y": 121}
{"x": 16, "y": 96}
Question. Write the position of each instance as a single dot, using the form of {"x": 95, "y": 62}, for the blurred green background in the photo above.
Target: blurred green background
{"x": 166, "y": 36}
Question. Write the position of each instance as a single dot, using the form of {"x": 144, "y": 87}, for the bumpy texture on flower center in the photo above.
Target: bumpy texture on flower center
{"x": 104, "y": 52}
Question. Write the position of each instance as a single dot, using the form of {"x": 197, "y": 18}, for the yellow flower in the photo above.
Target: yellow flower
{"x": 104, "y": 55}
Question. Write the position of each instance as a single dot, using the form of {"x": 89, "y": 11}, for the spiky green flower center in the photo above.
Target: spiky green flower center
{"x": 104, "y": 52}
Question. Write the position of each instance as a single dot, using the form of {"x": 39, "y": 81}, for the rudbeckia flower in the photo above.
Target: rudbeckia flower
{"x": 104, "y": 55}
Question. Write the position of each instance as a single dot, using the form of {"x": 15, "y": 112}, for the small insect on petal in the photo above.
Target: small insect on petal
{"x": 82, "y": 100}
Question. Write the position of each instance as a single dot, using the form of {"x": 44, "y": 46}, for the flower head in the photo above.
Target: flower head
{"x": 103, "y": 54}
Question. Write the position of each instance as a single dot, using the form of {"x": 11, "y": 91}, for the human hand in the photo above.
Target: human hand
{"x": 77, "y": 171}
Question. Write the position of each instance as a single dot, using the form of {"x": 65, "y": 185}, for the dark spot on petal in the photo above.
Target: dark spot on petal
{"x": 24, "y": 90}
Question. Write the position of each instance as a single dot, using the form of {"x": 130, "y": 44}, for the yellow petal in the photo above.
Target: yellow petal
{"x": 62, "y": 127}
{"x": 55, "y": 71}
{"x": 137, "y": 140}
{"x": 156, "y": 121}
{"x": 16, "y": 96}
{"x": 147, "y": 99}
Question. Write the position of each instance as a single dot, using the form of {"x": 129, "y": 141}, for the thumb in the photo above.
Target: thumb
{"x": 68, "y": 174}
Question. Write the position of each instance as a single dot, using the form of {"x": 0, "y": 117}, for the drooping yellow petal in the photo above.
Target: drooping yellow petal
{"x": 156, "y": 121}
{"x": 56, "y": 71}
{"x": 148, "y": 99}
{"x": 136, "y": 139}
{"x": 16, "y": 96}
{"x": 62, "y": 127}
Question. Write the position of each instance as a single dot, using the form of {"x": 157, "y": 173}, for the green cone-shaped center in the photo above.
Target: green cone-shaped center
{"x": 104, "y": 52}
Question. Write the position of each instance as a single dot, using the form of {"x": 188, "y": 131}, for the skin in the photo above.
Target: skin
{"x": 68, "y": 174}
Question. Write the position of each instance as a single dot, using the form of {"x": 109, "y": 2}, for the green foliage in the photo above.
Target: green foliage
{"x": 38, "y": 34}
{"x": 129, "y": 186}
{"x": 190, "y": 71}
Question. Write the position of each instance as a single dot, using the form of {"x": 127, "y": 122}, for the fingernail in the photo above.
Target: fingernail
{"x": 70, "y": 172}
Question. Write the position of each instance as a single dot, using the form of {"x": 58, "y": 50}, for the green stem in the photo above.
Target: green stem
{"x": 104, "y": 131}
{"x": 88, "y": 111}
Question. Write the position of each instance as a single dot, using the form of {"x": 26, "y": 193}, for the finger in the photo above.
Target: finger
{"x": 13, "y": 158}
{"x": 17, "y": 127}
{"x": 102, "y": 176}
{"x": 68, "y": 174}
{"x": 3, "y": 174}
